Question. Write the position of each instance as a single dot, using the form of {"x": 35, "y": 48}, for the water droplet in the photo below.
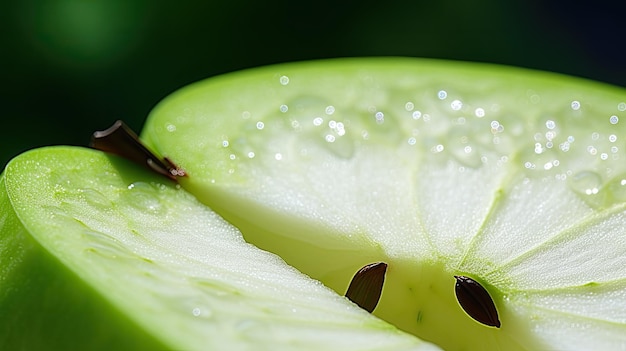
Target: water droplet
{"x": 412, "y": 141}
{"x": 278, "y": 156}
{"x": 96, "y": 198}
{"x": 550, "y": 124}
{"x": 442, "y": 94}
{"x": 612, "y": 138}
{"x": 535, "y": 99}
{"x": 196, "y": 312}
{"x": 617, "y": 188}
{"x": 456, "y": 105}
{"x": 380, "y": 117}
{"x": 340, "y": 129}
{"x": 260, "y": 125}
{"x": 251, "y": 154}
{"x": 342, "y": 147}
{"x": 143, "y": 196}
{"x": 592, "y": 150}
{"x": 621, "y": 106}
{"x": 496, "y": 127}
{"x": 284, "y": 108}
{"x": 437, "y": 148}
{"x": 586, "y": 183}
{"x": 416, "y": 114}
{"x": 225, "y": 143}
{"x": 329, "y": 110}
{"x": 409, "y": 106}
{"x": 284, "y": 80}
{"x": 614, "y": 119}
{"x": 575, "y": 105}
{"x": 170, "y": 127}
{"x": 479, "y": 112}
{"x": 465, "y": 154}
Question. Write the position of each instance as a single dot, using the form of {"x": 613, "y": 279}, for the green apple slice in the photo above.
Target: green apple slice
{"x": 97, "y": 253}
{"x": 513, "y": 178}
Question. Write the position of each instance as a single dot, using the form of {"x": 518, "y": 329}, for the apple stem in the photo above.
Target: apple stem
{"x": 367, "y": 286}
{"x": 119, "y": 139}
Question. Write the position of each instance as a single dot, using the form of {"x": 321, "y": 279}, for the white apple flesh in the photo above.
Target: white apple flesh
{"x": 98, "y": 253}
{"x": 514, "y": 178}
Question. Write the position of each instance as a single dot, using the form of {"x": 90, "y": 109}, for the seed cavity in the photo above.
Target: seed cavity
{"x": 119, "y": 139}
{"x": 367, "y": 286}
{"x": 476, "y": 301}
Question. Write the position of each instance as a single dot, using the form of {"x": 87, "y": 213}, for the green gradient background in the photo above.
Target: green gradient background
{"x": 70, "y": 67}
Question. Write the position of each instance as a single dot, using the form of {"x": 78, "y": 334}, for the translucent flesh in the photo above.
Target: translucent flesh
{"x": 512, "y": 177}
{"x": 99, "y": 254}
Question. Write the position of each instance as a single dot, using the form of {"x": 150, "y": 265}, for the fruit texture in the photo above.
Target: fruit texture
{"x": 98, "y": 253}
{"x": 513, "y": 178}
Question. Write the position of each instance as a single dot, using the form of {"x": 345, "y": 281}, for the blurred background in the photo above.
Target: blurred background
{"x": 70, "y": 67}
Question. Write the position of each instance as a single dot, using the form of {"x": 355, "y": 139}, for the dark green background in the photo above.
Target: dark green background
{"x": 70, "y": 67}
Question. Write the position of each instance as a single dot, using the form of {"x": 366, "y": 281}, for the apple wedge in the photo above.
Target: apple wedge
{"x": 98, "y": 253}
{"x": 510, "y": 180}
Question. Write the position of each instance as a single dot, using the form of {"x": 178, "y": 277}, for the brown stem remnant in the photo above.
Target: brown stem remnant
{"x": 119, "y": 139}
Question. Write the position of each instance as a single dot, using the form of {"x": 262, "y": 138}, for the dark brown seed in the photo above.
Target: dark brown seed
{"x": 476, "y": 302}
{"x": 119, "y": 139}
{"x": 367, "y": 286}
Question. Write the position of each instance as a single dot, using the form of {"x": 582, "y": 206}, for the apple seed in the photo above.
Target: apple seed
{"x": 476, "y": 301}
{"x": 367, "y": 286}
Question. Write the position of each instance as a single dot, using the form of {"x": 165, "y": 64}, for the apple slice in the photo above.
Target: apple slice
{"x": 98, "y": 253}
{"x": 510, "y": 180}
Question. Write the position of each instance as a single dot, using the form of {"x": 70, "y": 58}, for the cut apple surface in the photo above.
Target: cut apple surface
{"x": 512, "y": 178}
{"x": 99, "y": 253}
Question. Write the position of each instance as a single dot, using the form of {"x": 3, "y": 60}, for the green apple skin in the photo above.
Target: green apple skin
{"x": 98, "y": 253}
{"x": 44, "y": 305}
{"x": 436, "y": 168}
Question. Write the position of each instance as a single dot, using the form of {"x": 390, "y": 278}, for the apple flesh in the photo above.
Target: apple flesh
{"x": 99, "y": 253}
{"x": 513, "y": 178}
